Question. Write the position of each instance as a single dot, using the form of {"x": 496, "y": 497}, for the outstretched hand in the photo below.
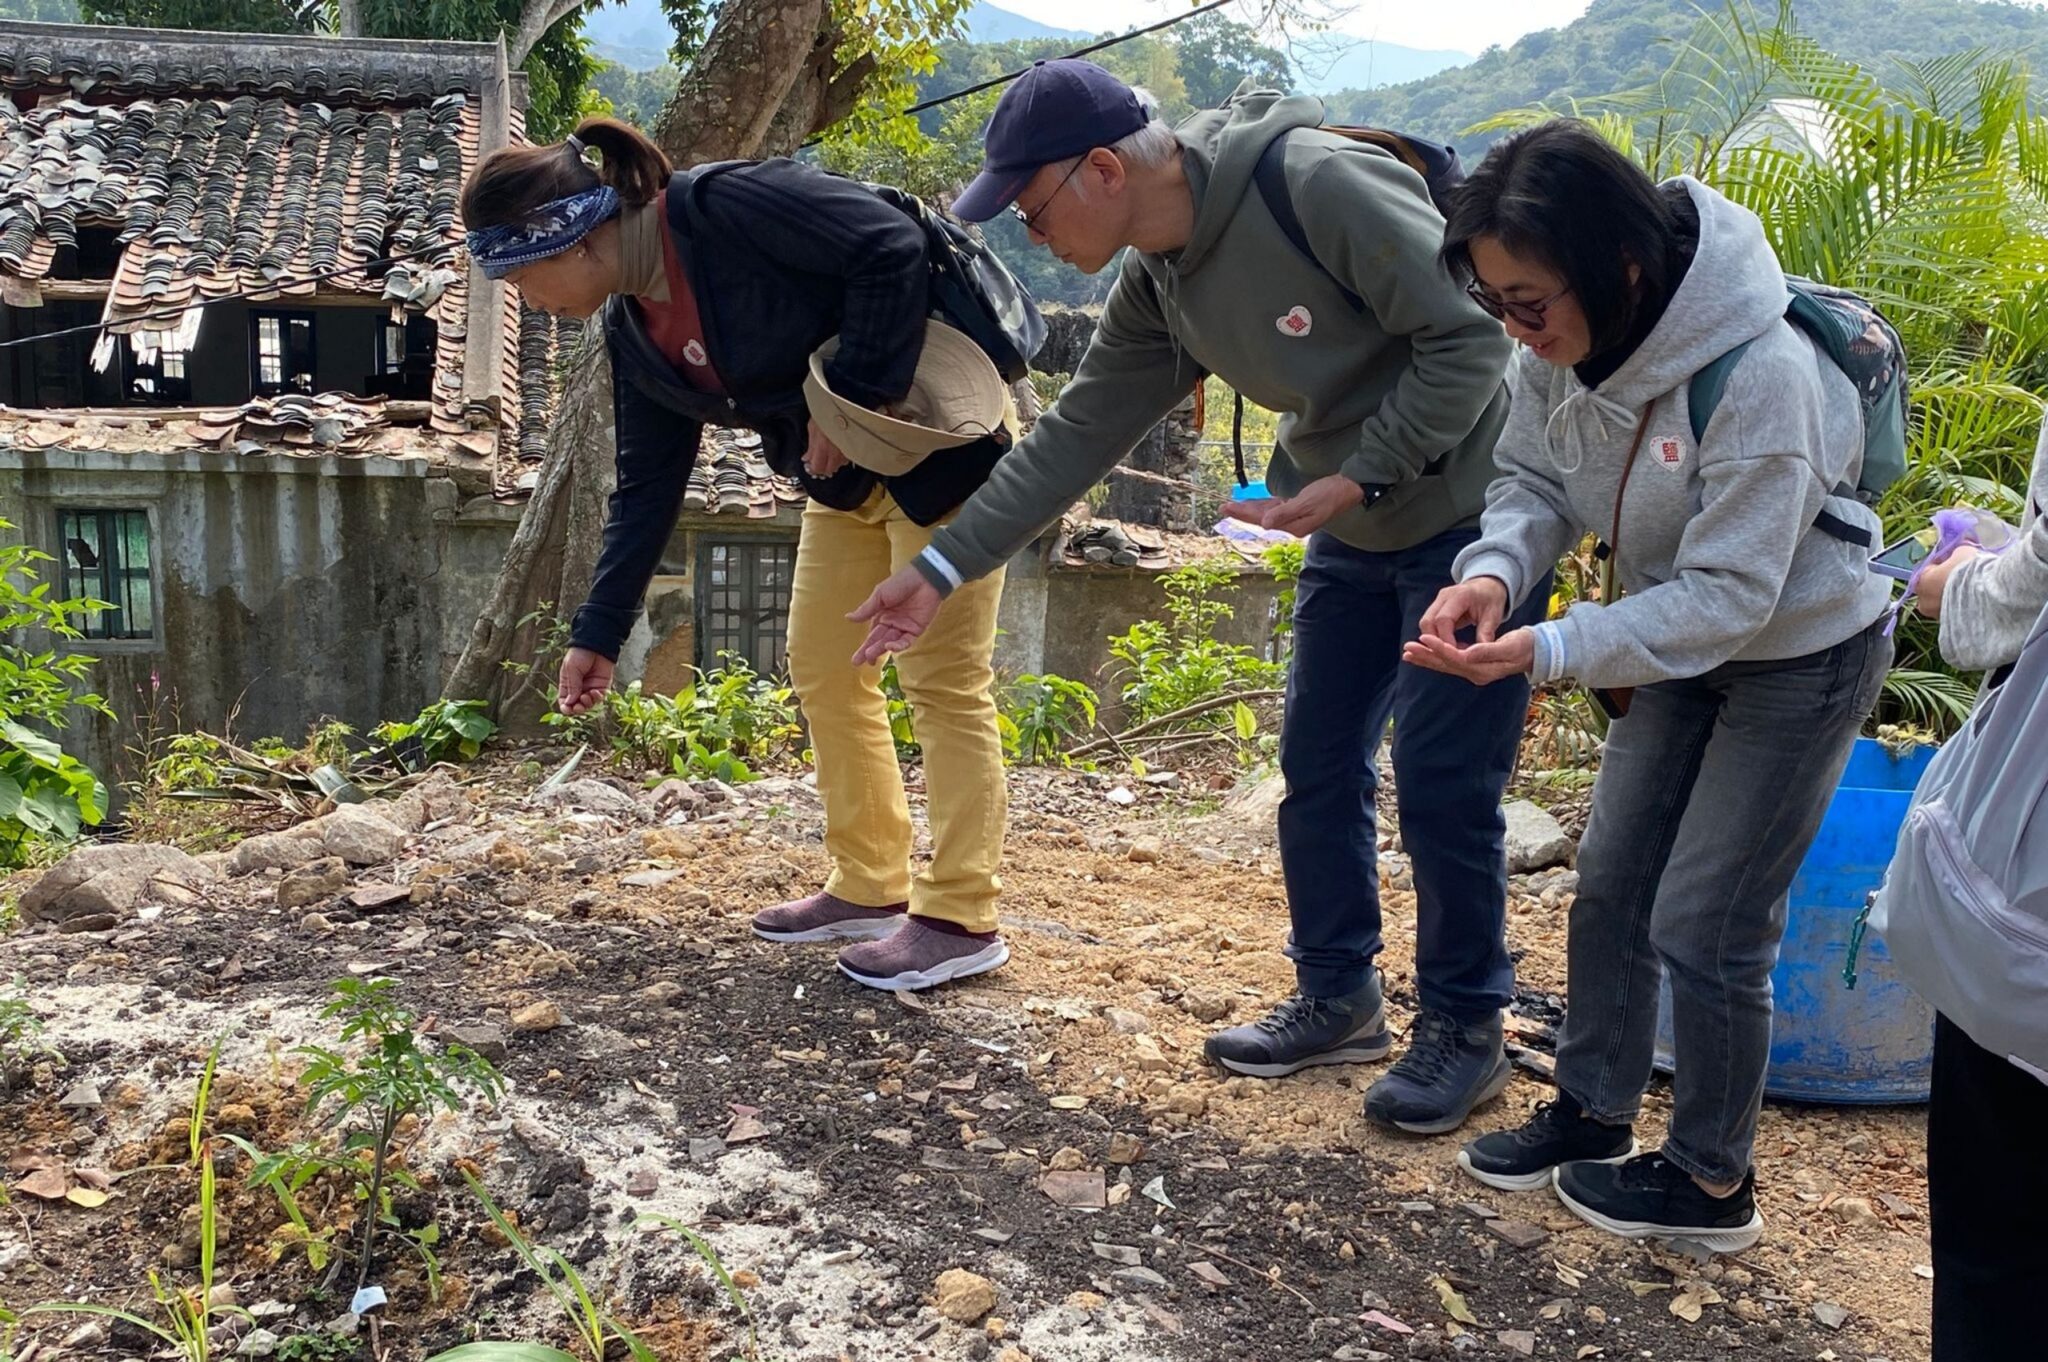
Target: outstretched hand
{"x": 897, "y": 614}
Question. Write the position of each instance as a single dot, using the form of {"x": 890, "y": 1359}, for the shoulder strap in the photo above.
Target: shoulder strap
{"x": 1271, "y": 176}
{"x": 1703, "y": 394}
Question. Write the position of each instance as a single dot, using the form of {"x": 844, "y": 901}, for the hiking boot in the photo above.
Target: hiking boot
{"x": 1303, "y": 1031}
{"x": 1650, "y": 1197}
{"x": 822, "y": 917}
{"x": 1523, "y": 1159}
{"x": 1449, "y": 1069}
{"x": 918, "y": 955}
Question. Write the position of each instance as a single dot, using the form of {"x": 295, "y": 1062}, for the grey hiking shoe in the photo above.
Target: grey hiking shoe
{"x": 821, "y": 917}
{"x": 1449, "y": 1069}
{"x": 1303, "y": 1031}
{"x": 919, "y": 956}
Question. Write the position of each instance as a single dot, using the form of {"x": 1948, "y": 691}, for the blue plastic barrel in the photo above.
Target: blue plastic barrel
{"x": 1874, "y": 1044}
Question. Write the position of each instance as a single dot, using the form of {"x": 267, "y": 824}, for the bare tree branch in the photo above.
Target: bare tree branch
{"x": 535, "y": 19}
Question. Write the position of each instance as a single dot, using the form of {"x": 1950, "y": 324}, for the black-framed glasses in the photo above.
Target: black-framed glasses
{"x": 1521, "y": 314}
{"x": 1030, "y": 220}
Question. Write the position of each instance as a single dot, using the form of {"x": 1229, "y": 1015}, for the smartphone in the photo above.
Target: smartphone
{"x": 1898, "y": 560}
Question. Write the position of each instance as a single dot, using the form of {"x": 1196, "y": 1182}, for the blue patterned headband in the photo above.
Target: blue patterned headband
{"x": 553, "y": 229}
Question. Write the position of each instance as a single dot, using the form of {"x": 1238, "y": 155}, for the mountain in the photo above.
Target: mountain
{"x": 987, "y": 24}
{"x": 1624, "y": 44}
{"x": 1338, "y": 61}
{"x": 636, "y": 33}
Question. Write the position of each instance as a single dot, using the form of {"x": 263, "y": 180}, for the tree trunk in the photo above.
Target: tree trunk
{"x": 348, "y": 19}
{"x": 758, "y": 77}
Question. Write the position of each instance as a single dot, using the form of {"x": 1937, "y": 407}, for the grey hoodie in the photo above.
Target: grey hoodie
{"x": 1989, "y": 604}
{"x": 1718, "y": 559}
{"x": 1378, "y": 395}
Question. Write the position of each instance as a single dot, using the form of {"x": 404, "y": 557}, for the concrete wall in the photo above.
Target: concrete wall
{"x": 288, "y": 589}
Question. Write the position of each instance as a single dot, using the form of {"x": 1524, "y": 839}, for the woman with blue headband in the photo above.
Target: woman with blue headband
{"x": 716, "y": 286}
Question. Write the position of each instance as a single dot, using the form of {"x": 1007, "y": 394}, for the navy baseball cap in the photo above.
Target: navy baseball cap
{"x": 1055, "y": 110}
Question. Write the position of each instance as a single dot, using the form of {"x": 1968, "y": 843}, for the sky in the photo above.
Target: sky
{"x": 1457, "y": 25}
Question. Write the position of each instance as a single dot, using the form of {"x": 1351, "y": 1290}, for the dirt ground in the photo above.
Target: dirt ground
{"x": 1051, "y": 1127}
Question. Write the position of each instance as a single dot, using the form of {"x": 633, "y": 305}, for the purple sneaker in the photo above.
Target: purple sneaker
{"x": 918, "y": 955}
{"x": 821, "y": 917}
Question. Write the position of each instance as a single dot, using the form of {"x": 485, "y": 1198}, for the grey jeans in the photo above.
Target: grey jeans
{"x": 1710, "y": 791}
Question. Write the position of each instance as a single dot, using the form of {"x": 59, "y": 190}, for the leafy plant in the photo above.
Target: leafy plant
{"x": 392, "y": 1079}
{"x": 902, "y": 717}
{"x": 1165, "y": 666}
{"x": 45, "y": 796}
{"x": 1284, "y": 561}
{"x": 1044, "y": 715}
{"x": 446, "y": 730}
{"x": 713, "y": 729}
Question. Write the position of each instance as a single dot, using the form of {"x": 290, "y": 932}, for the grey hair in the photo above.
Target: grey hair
{"x": 1150, "y": 147}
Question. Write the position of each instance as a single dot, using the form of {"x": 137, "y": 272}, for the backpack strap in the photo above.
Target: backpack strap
{"x": 1703, "y": 396}
{"x": 1271, "y": 177}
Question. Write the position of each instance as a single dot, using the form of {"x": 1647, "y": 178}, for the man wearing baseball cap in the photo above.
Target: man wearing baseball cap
{"x": 1389, "y": 382}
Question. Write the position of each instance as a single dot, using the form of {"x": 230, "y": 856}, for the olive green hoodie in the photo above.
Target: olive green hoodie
{"x": 1406, "y": 392}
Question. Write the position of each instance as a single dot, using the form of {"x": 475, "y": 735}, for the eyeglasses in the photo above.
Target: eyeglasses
{"x": 1521, "y": 314}
{"x": 1030, "y": 220}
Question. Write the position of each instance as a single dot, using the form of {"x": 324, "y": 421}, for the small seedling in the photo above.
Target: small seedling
{"x": 594, "y": 1325}
{"x": 21, "y": 1042}
{"x": 320, "y": 1347}
{"x": 394, "y": 1078}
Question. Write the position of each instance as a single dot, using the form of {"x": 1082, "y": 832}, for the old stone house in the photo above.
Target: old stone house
{"x": 252, "y": 394}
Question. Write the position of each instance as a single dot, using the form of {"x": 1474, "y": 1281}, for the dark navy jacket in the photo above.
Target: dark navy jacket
{"x": 781, "y": 256}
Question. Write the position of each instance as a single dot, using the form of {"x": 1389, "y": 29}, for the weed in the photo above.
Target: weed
{"x": 394, "y": 1078}
{"x": 21, "y": 1042}
{"x": 716, "y": 728}
{"x": 1044, "y": 715}
{"x": 446, "y": 730}
{"x": 320, "y": 1347}
{"x": 1165, "y": 666}
{"x": 594, "y": 1326}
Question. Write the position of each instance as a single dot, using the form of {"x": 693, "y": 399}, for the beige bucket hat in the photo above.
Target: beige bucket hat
{"x": 956, "y": 398}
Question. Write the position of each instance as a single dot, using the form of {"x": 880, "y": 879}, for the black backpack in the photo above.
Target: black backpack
{"x": 1438, "y": 165}
{"x": 973, "y": 290}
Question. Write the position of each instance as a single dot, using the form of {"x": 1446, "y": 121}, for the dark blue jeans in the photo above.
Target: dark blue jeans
{"x": 1454, "y": 749}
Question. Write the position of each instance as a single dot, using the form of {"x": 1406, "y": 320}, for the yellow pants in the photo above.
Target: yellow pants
{"x": 949, "y": 680}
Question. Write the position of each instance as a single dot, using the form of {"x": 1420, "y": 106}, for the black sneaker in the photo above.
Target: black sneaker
{"x": 1523, "y": 1159}
{"x": 1303, "y": 1031}
{"x": 1649, "y": 1197}
{"x": 1449, "y": 1069}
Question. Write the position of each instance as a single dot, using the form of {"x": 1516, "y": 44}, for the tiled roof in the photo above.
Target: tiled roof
{"x": 731, "y": 478}
{"x": 330, "y": 424}
{"x": 226, "y": 164}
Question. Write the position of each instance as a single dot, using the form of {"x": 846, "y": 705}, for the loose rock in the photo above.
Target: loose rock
{"x": 314, "y": 882}
{"x": 1535, "y": 841}
{"x": 108, "y": 881}
{"x": 540, "y": 1016}
{"x": 964, "y": 1297}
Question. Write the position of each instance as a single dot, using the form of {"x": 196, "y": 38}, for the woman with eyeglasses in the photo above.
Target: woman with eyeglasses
{"x": 1736, "y": 640}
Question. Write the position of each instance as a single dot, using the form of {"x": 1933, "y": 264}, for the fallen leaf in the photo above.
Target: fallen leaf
{"x": 89, "y": 1197}
{"x": 1554, "y": 1310}
{"x": 94, "y": 1177}
{"x": 1686, "y": 1306}
{"x": 1590, "y": 1350}
{"x": 1645, "y": 1288}
{"x": 1570, "y": 1276}
{"x": 1454, "y": 1304}
{"x": 1387, "y": 1322}
{"x": 47, "y": 1184}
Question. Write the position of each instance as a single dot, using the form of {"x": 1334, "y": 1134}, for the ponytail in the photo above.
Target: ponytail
{"x": 513, "y": 182}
